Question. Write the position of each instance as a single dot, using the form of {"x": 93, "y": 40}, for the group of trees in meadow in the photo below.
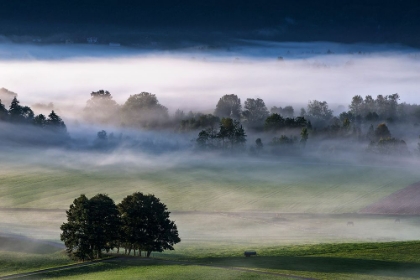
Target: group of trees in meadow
{"x": 138, "y": 223}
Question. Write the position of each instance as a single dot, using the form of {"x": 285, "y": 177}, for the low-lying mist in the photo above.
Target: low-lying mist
{"x": 214, "y": 196}
{"x": 195, "y": 78}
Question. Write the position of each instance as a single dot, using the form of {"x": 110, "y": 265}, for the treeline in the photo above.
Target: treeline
{"x": 279, "y": 130}
{"x": 138, "y": 223}
{"x": 283, "y": 130}
{"x": 40, "y": 129}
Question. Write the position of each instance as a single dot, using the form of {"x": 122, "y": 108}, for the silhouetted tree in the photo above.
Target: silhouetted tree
{"x": 92, "y": 226}
{"x": 55, "y": 123}
{"x": 15, "y": 111}
{"x": 146, "y": 225}
{"x": 229, "y": 106}
{"x": 40, "y": 120}
{"x": 4, "y": 114}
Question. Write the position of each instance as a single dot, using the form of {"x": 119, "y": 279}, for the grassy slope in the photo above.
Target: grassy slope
{"x": 12, "y": 262}
{"x": 249, "y": 186}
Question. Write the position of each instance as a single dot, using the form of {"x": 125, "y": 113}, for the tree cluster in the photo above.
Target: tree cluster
{"x": 139, "y": 223}
{"x": 231, "y": 136}
{"x": 18, "y": 114}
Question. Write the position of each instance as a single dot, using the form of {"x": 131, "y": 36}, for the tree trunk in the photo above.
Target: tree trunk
{"x": 139, "y": 253}
{"x": 134, "y": 252}
{"x": 148, "y": 253}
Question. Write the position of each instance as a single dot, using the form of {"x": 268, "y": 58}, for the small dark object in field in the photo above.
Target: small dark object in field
{"x": 397, "y": 220}
{"x": 250, "y": 253}
{"x": 350, "y": 223}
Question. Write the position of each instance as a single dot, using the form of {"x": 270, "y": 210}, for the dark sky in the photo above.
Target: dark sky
{"x": 315, "y": 20}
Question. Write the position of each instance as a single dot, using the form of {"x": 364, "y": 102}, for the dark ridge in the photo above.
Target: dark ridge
{"x": 297, "y": 20}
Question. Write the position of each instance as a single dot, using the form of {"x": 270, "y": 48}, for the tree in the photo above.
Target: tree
{"x": 233, "y": 132}
{"x": 20, "y": 114}
{"x": 319, "y": 113}
{"x": 304, "y": 136}
{"x": 274, "y": 122}
{"x": 101, "y": 108}
{"x": 144, "y": 110}
{"x": 146, "y": 225}
{"x": 75, "y": 233}
{"x": 55, "y": 123}
{"x": 319, "y": 110}
{"x": 382, "y": 131}
{"x": 104, "y": 224}
{"x": 92, "y": 226}
{"x": 40, "y": 120}
{"x": 356, "y": 105}
{"x": 229, "y": 106}
{"x": 15, "y": 111}
{"x": 4, "y": 114}
{"x": 286, "y": 112}
{"x": 255, "y": 113}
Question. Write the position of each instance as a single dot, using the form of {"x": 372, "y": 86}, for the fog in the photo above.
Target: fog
{"x": 214, "y": 197}
{"x": 195, "y": 78}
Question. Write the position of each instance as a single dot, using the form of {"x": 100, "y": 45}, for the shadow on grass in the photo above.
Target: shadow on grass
{"x": 323, "y": 265}
{"x": 297, "y": 264}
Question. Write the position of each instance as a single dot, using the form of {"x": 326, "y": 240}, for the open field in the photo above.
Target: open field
{"x": 195, "y": 184}
{"x": 222, "y": 206}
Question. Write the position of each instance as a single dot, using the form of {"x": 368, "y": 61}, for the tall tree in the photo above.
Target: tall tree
{"x": 231, "y": 133}
{"x": 104, "y": 224}
{"x": 55, "y": 123}
{"x": 144, "y": 110}
{"x": 92, "y": 226}
{"x": 255, "y": 113}
{"x": 229, "y": 106}
{"x": 15, "y": 111}
{"x": 356, "y": 106}
{"x": 101, "y": 108}
{"x": 75, "y": 233}
{"x": 146, "y": 224}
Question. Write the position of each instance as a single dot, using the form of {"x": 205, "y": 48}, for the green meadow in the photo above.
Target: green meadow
{"x": 293, "y": 213}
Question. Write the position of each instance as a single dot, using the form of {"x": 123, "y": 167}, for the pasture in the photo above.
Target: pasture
{"x": 289, "y": 211}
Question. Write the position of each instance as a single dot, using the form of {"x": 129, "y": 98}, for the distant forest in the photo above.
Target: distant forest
{"x": 376, "y": 21}
{"x": 274, "y": 131}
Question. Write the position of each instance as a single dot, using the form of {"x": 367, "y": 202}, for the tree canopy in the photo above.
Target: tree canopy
{"x": 144, "y": 110}
{"x": 229, "y": 106}
{"x": 139, "y": 222}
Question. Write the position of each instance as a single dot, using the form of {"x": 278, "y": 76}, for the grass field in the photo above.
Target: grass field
{"x": 222, "y": 207}
{"x": 393, "y": 260}
{"x": 213, "y": 185}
